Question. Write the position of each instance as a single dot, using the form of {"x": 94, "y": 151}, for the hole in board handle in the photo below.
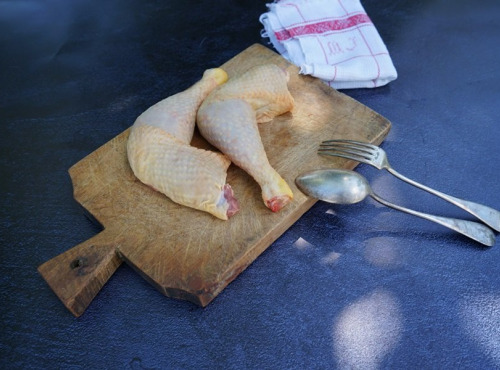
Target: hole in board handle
{"x": 77, "y": 263}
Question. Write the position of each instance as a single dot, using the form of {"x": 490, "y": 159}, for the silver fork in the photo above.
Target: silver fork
{"x": 375, "y": 156}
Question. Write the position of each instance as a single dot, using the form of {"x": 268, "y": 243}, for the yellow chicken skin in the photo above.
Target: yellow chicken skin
{"x": 228, "y": 119}
{"x": 160, "y": 154}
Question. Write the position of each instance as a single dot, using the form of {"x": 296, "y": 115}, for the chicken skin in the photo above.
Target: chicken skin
{"x": 160, "y": 154}
{"x": 228, "y": 119}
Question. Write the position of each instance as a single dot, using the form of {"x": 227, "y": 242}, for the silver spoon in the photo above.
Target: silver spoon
{"x": 349, "y": 187}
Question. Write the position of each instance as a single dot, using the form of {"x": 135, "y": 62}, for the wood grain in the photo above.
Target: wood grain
{"x": 189, "y": 254}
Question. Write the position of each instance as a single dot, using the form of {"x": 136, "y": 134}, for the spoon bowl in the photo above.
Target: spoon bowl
{"x": 334, "y": 186}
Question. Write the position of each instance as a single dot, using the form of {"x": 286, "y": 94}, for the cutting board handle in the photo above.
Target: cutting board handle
{"x": 77, "y": 275}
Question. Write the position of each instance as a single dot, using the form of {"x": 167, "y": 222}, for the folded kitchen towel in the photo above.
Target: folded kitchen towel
{"x": 333, "y": 40}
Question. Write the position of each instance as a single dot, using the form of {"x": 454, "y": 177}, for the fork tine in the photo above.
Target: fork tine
{"x": 346, "y": 148}
{"x": 358, "y": 144}
{"x": 348, "y": 154}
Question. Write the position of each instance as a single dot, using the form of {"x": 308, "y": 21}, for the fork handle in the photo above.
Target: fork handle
{"x": 473, "y": 230}
{"x": 489, "y": 216}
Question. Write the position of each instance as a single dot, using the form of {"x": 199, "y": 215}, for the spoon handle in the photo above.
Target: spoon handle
{"x": 488, "y": 215}
{"x": 473, "y": 230}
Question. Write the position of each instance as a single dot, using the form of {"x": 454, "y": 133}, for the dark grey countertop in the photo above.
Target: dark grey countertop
{"x": 358, "y": 286}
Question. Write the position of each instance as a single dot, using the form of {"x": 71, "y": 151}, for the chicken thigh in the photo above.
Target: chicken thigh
{"x": 228, "y": 120}
{"x": 160, "y": 154}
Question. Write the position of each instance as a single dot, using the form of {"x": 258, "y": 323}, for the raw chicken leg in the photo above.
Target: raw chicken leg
{"x": 160, "y": 155}
{"x": 228, "y": 120}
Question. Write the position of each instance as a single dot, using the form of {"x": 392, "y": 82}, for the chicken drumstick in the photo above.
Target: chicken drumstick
{"x": 228, "y": 120}
{"x": 160, "y": 155}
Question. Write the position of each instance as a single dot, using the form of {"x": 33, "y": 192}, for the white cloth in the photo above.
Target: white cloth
{"x": 333, "y": 40}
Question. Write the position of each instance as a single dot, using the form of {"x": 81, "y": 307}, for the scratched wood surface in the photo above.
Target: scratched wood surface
{"x": 189, "y": 254}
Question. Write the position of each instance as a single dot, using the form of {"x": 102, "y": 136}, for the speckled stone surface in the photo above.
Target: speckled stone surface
{"x": 358, "y": 286}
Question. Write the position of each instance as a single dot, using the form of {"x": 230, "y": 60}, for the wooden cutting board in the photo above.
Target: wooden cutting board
{"x": 189, "y": 254}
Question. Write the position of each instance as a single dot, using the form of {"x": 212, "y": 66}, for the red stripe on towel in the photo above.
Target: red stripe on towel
{"x": 322, "y": 27}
